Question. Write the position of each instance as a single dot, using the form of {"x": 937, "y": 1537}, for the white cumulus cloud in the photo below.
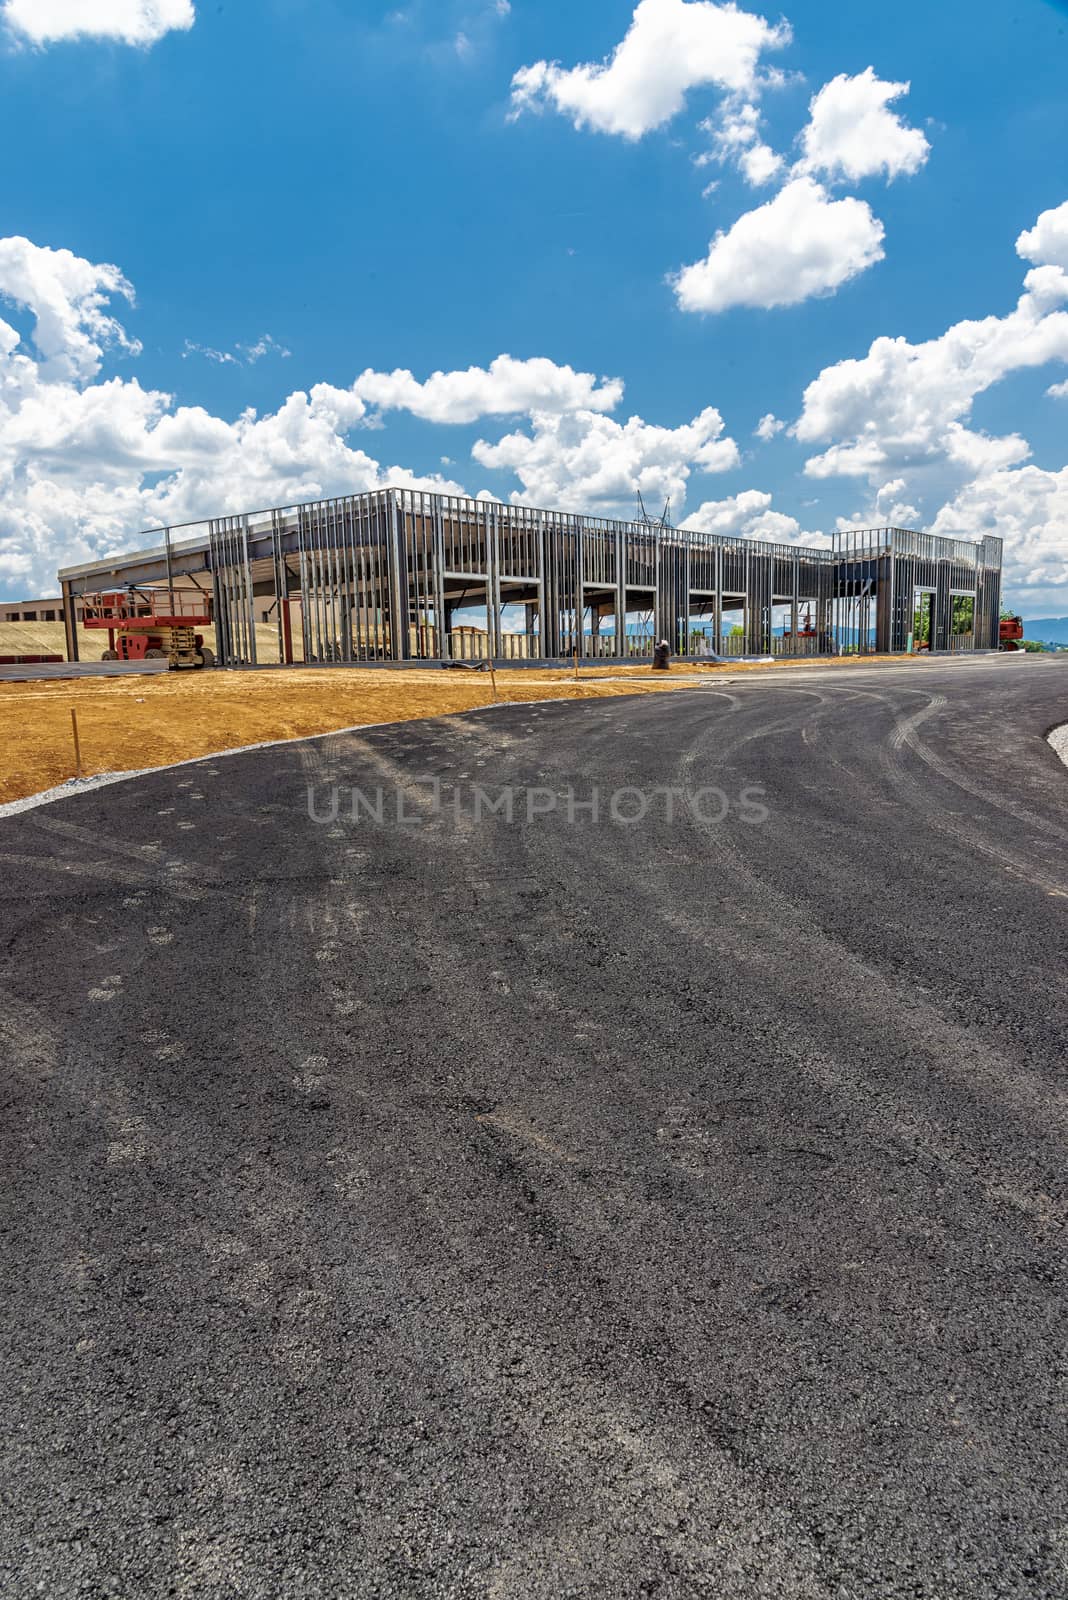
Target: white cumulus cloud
{"x": 67, "y": 298}
{"x": 1047, "y": 242}
{"x": 88, "y": 461}
{"x": 760, "y": 164}
{"x": 748, "y": 515}
{"x": 768, "y": 426}
{"x": 736, "y": 139}
{"x": 899, "y": 418}
{"x": 136, "y": 22}
{"x": 1028, "y": 509}
{"x": 903, "y": 405}
{"x": 852, "y": 133}
{"x": 506, "y": 387}
{"x": 799, "y": 244}
{"x": 890, "y": 509}
{"x": 671, "y": 47}
{"x": 580, "y": 459}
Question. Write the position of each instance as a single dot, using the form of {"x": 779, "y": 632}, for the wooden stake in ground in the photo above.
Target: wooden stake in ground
{"x": 493, "y": 679}
{"x": 575, "y": 659}
{"x": 77, "y": 745}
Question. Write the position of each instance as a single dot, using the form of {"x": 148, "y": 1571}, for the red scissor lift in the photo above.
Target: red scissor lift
{"x": 152, "y": 625}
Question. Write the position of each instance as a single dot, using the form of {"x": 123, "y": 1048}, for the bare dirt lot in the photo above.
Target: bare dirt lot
{"x": 129, "y": 723}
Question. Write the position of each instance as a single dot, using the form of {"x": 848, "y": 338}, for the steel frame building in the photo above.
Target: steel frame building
{"x": 382, "y": 576}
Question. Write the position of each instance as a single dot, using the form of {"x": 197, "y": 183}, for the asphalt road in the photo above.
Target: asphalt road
{"x": 551, "y": 1207}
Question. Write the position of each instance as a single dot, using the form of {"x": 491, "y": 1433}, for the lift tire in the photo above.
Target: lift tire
{"x": 155, "y": 655}
{"x": 110, "y": 655}
{"x": 207, "y": 656}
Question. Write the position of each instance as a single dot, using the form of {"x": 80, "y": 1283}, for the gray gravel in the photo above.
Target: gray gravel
{"x": 63, "y": 791}
{"x": 534, "y": 1210}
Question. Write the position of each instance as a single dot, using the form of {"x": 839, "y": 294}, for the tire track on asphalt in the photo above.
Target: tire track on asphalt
{"x": 785, "y": 925}
{"x": 571, "y": 1228}
{"x": 973, "y": 839}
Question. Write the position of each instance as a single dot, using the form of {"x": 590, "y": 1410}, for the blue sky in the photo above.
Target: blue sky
{"x": 371, "y": 189}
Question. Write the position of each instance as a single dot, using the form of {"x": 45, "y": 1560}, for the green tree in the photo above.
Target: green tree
{"x": 963, "y": 613}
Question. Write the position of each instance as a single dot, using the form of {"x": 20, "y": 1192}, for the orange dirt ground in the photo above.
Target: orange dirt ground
{"x": 133, "y": 722}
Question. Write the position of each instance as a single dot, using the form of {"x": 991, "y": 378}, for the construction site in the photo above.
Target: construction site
{"x": 533, "y": 801}
{"x": 503, "y": 1150}
{"x": 405, "y": 576}
{"x": 567, "y": 1188}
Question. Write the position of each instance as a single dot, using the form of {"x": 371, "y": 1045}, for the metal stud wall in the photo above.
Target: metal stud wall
{"x": 232, "y": 586}
{"x": 406, "y": 575}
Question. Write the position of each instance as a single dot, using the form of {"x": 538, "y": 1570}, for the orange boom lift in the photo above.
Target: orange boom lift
{"x": 1010, "y": 632}
{"x": 152, "y": 625}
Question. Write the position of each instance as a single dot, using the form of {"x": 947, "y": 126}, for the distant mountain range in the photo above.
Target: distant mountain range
{"x": 1048, "y": 630}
